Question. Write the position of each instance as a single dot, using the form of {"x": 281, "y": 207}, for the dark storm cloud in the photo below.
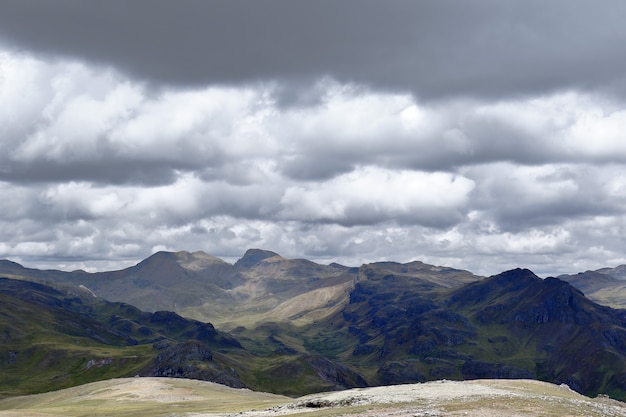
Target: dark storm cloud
{"x": 519, "y": 198}
{"x": 434, "y": 48}
{"x": 104, "y": 171}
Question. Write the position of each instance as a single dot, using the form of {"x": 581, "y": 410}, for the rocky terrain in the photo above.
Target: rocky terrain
{"x": 142, "y": 397}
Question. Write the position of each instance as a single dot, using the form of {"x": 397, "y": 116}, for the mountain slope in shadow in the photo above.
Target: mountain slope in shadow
{"x": 513, "y": 325}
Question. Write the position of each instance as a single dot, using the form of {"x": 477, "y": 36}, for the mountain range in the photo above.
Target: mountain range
{"x": 605, "y": 286}
{"x": 291, "y": 326}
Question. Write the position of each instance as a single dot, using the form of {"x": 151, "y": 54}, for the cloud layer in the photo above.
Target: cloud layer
{"x": 486, "y": 48}
{"x": 485, "y": 137}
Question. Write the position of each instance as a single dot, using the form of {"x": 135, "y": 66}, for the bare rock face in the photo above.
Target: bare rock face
{"x": 191, "y": 329}
{"x": 337, "y": 374}
{"x": 400, "y": 372}
{"x": 191, "y": 360}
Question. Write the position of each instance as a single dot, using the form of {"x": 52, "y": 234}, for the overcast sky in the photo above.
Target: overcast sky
{"x": 483, "y": 134}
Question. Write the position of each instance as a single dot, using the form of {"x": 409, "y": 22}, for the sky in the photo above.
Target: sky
{"x": 484, "y": 135}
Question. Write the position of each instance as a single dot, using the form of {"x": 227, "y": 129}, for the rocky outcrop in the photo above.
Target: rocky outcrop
{"x": 192, "y": 329}
{"x": 322, "y": 373}
{"x": 340, "y": 376}
{"x": 253, "y": 257}
{"x": 489, "y": 370}
{"x": 400, "y": 372}
{"x": 193, "y": 360}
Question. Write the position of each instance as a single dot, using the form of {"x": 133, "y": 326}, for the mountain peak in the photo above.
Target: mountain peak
{"x": 515, "y": 277}
{"x": 160, "y": 256}
{"x": 253, "y": 257}
{"x": 7, "y": 265}
{"x": 618, "y": 272}
{"x": 197, "y": 261}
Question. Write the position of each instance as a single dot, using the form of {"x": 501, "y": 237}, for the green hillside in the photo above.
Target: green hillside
{"x": 51, "y": 339}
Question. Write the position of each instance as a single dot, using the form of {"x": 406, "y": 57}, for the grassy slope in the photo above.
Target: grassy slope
{"x": 52, "y": 340}
{"x": 606, "y": 286}
{"x": 614, "y": 296}
{"x": 44, "y": 348}
{"x": 140, "y": 397}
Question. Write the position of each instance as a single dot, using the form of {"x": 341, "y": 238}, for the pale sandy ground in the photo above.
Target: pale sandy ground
{"x": 185, "y": 398}
{"x": 488, "y": 398}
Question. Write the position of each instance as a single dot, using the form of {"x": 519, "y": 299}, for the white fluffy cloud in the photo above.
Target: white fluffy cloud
{"x": 373, "y": 195}
{"x": 98, "y": 170}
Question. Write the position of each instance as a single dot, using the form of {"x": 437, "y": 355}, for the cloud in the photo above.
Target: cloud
{"x": 85, "y": 123}
{"x": 485, "y": 136}
{"x": 118, "y": 171}
{"x": 518, "y": 197}
{"x": 373, "y": 195}
{"x": 486, "y": 49}
{"x": 74, "y": 122}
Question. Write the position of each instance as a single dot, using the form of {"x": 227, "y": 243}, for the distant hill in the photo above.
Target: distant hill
{"x": 261, "y": 285}
{"x": 605, "y": 286}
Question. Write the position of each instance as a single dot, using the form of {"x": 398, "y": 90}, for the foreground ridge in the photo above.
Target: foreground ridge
{"x": 162, "y": 396}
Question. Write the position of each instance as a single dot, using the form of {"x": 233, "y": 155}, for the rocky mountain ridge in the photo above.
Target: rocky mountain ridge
{"x": 207, "y": 288}
{"x": 605, "y": 286}
{"x": 302, "y": 327}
